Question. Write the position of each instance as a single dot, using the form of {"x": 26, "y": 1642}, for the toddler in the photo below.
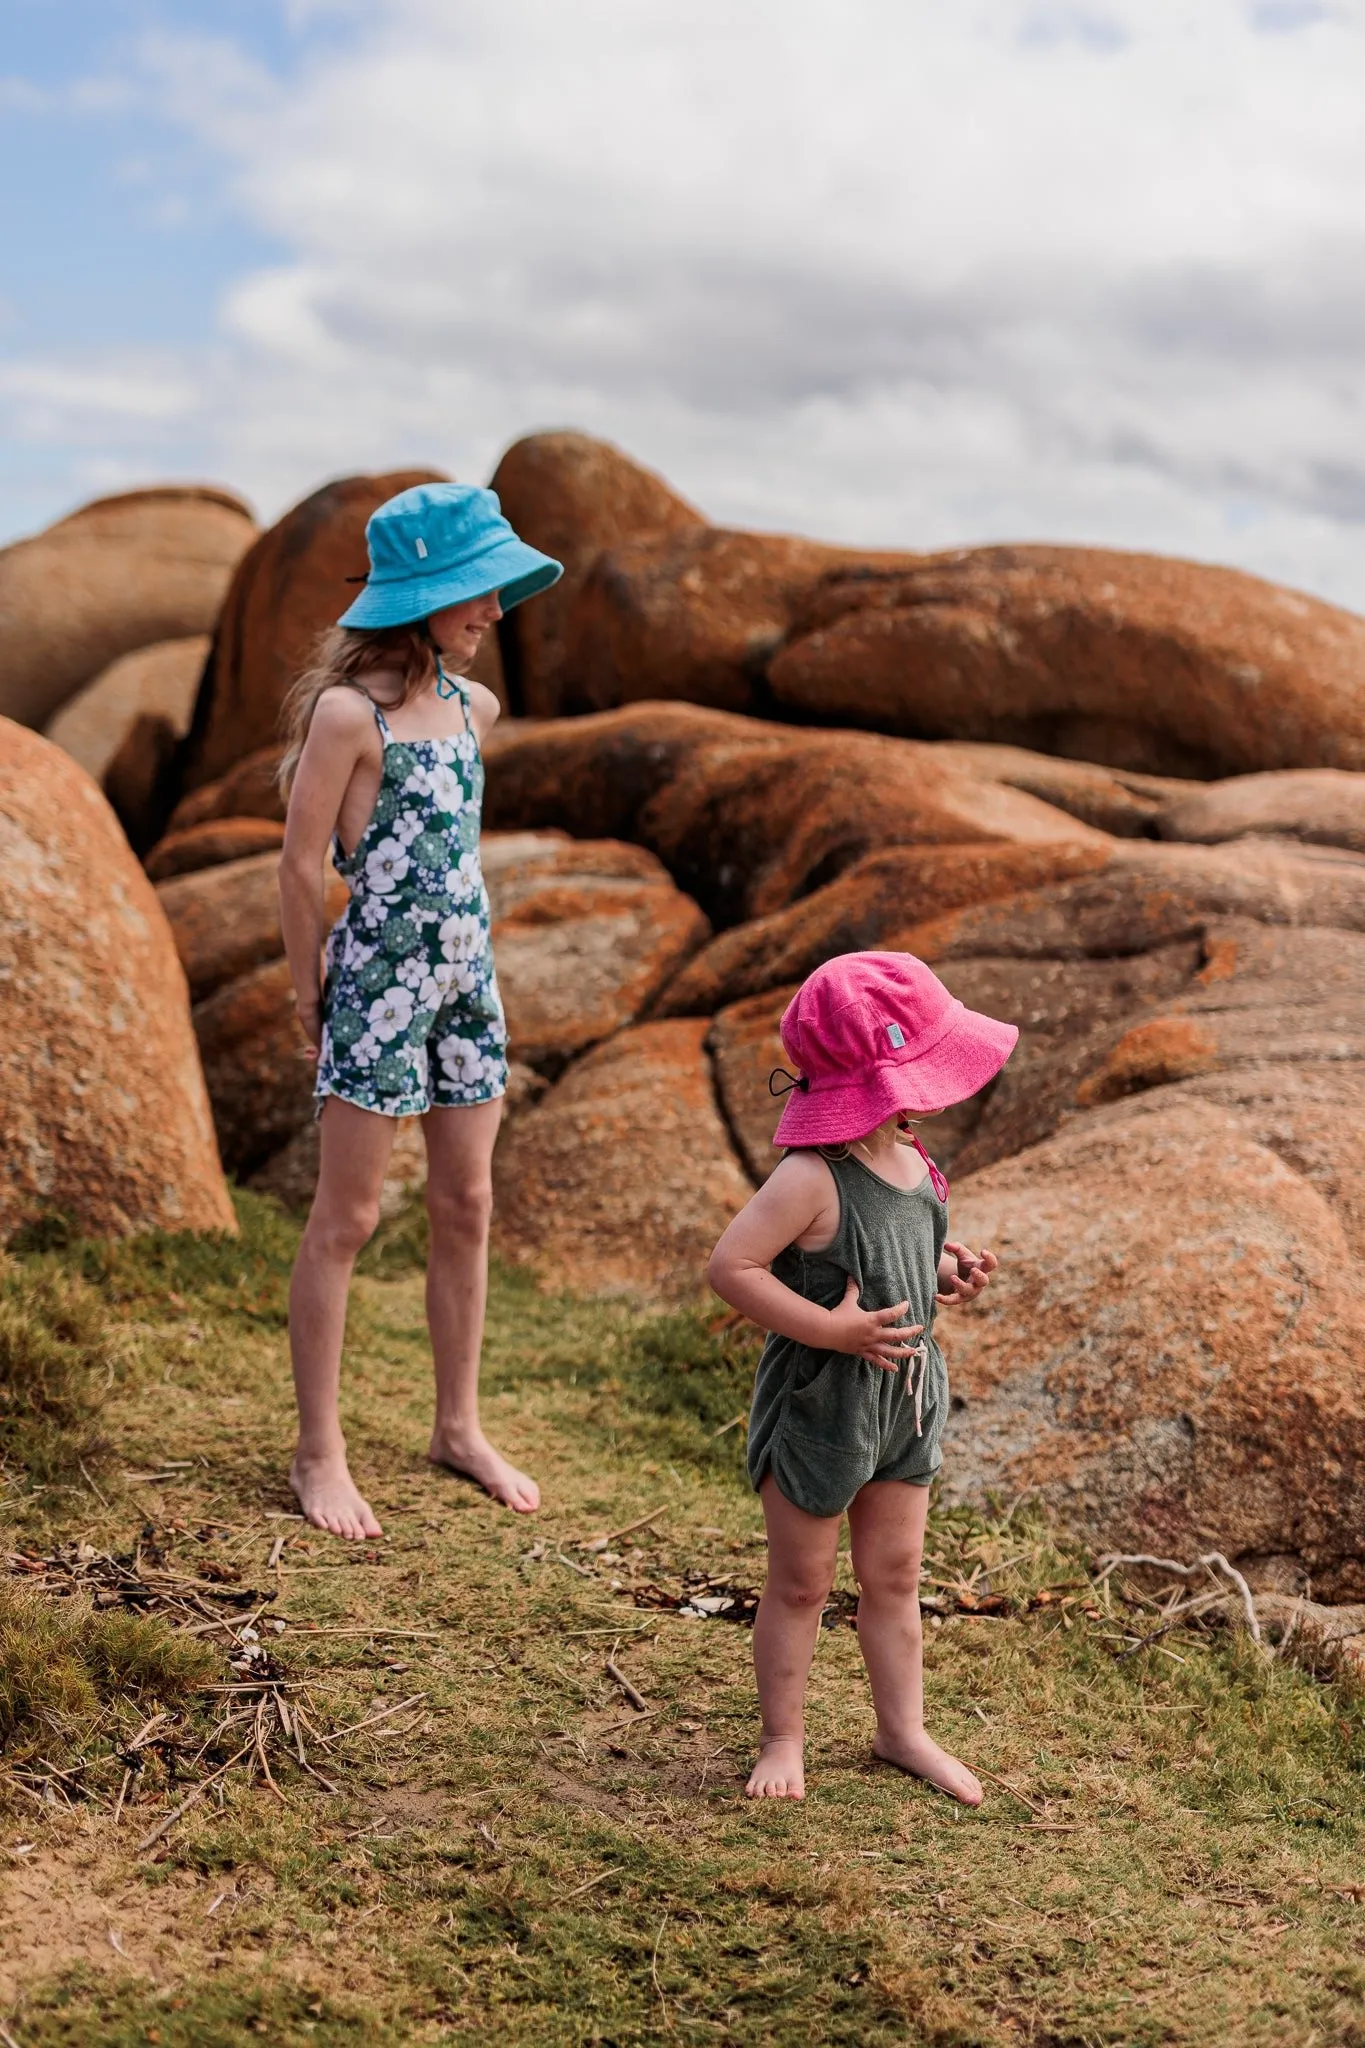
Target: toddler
{"x": 843, "y": 1256}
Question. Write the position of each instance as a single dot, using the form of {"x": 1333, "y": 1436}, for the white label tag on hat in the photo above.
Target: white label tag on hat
{"x": 421, "y": 547}
{"x": 896, "y": 1035}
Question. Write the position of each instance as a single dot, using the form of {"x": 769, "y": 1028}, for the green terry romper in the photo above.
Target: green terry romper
{"x": 412, "y": 1019}
{"x": 825, "y": 1423}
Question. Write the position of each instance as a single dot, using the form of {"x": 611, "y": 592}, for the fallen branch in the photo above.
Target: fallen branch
{"x": 1013, "y": 1790}
{"x": 1212, "y": 1560}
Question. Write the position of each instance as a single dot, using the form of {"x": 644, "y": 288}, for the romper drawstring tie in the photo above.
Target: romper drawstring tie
{"x": 918, "y": 1351}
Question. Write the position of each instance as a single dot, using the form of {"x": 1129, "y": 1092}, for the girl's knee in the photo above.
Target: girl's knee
{"x": 460, "y": 1209}
{"x": 342, "y": 1229}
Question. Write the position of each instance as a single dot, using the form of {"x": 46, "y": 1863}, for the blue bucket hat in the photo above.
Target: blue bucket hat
{"x": 441, "y": 544}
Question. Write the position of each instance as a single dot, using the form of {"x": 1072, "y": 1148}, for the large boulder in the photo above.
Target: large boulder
{"x": 572, "y": 496}
{"x": 159, "y": 681}
{"x": 1321, "y": 806}
{"x": 1136, "y": 661}
{"x": 103, "y": 1114}
{"x": 212, "y": 845}
{"x": 749, "y": 816}
{"x": 131, "y": 570}
{"x": 226, "y": 919}
{"x": 585, "y": 934}
{"x": 881, "y": 894}
{"x": 260, "y": 1078}
{"x": 1172, "y": 1356}
{"x": 693, "y": 615}
{"x": 250, "y": 790}
{"x": 622, "y": 1177}
{"x": 1115, "y": 800}
{"x": 290, "y": 586}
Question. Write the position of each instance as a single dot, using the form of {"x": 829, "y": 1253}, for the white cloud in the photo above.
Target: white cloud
{"x": 886, "y": 270}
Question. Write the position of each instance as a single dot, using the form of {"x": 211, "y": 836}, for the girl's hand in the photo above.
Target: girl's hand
{"x": 310, "y": 1024}
{"x": 876, "y": 1334}
{"x": 963, "y": 1274}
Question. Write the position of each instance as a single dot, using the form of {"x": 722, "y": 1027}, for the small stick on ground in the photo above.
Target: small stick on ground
{"x": 1013, "y": 1790}
{"x": 645, "y": 1521}
{"x": 637, "y": 1699}
{"x": 164, "y": 1826}
{"x": 588, "y": 1883}
{"x": 272, "y": 1563}
{"x": 654, "y": 1974}
{"x": 122, "y": 1794}
{"x": 91, "y": 1484}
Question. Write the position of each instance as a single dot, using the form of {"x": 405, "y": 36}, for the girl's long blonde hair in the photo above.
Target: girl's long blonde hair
{"x": 346, "y": 655}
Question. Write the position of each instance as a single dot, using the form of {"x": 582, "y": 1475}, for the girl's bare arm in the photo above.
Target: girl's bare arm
{"x": 337, "y": 738}
{"x": 484, "y": 710}
{"x": 786, "y": 1208}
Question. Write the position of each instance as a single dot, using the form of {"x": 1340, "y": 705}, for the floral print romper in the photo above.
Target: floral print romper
{"x": 412, "y": 1019}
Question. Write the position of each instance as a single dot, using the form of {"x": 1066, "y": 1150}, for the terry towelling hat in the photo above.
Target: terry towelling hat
{"x": 873, "y": 1033}
{"x": 442, "y": 544}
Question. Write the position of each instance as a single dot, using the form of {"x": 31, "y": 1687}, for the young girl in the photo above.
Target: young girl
{"x": 384, "y": 769}
{"x": 842, "y": 1256}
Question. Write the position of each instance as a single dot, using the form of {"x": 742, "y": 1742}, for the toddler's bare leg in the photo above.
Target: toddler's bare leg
{"x": 887, "y": 1523}
{"x": 802, "y": 1550}
{"x": 460, "y": 1204}
{"x": 355, "y": 1147}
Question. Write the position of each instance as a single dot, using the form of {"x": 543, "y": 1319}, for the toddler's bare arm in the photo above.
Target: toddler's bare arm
{"x": 786, "y": 1209}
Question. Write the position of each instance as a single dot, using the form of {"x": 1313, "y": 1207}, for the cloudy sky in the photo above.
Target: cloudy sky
{"x": 900, "y": 272}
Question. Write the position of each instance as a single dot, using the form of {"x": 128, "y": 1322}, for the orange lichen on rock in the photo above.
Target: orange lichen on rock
{"x": 1163, "y": 1049}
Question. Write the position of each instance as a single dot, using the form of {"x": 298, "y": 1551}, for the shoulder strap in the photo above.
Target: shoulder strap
{"x": 940, "y": 1184}
{"x": 382, "y": 722}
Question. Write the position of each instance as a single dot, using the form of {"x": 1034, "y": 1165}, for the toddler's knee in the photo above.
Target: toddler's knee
{"x": 800, "y": 1589}
{"x": 463, "y": 1209}
{"x": 893, "y": 1577}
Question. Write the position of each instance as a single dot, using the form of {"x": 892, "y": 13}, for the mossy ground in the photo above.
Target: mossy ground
{"x": 516, "y": 1857}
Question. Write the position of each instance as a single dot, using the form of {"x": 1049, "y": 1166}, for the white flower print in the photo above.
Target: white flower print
{"x": 390, "y": 1013}
{"x": 386, "y": 867}
{"x": 406, "y": 828}
{"x": 366, "y": 1050}
{"x": 462, "y": 1062}
{"x": 461, "y": 936}
{"x": 412, "y": 973}
{"x": 466, "y": 878}
{"x": 447, "y": 791}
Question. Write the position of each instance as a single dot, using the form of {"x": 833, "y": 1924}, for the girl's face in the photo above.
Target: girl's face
{"x": 458, "y": 630}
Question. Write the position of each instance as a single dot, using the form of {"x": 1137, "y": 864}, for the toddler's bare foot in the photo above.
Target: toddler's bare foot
{"x": 780, "y": 1772}
{"x": 473, "y": 1457}
{"x": 330, "y": 1498}
{"x": 923, "y": 1758}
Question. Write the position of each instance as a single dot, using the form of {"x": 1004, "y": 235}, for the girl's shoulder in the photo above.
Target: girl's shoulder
{"x": 343, "y": 712}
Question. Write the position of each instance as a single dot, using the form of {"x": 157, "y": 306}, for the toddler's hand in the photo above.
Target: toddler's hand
{"x": 876, "y": 1334}
{"x": 963, "y": 1274}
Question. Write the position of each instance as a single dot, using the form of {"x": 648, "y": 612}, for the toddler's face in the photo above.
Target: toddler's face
{"x": 458, "y": 629}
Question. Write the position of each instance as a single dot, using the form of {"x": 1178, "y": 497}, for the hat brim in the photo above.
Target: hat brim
{"x": 969, "y": 1054}
{"x": 513, "y": 569}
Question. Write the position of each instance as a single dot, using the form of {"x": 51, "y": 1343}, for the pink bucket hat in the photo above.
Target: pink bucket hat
{"x": 873, "y": 1033}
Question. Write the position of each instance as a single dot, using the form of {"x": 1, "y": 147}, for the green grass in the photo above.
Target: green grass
{"x": 512, "y": 1865}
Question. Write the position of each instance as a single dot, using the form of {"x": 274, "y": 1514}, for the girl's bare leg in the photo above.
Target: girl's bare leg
{"x": 887, "y": 1521}
{"x": 802, "y": 1550}
{"x": 355, "y": 1147}
{"x": 460, "y": 1205}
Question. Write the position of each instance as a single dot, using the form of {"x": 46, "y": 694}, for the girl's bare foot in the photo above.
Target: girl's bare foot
{"x": 922, "y": 1758}
{"x": 330, "y": 1498}
{"x": 780, "y": 1772}
{"x": 473, "y": 1457}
